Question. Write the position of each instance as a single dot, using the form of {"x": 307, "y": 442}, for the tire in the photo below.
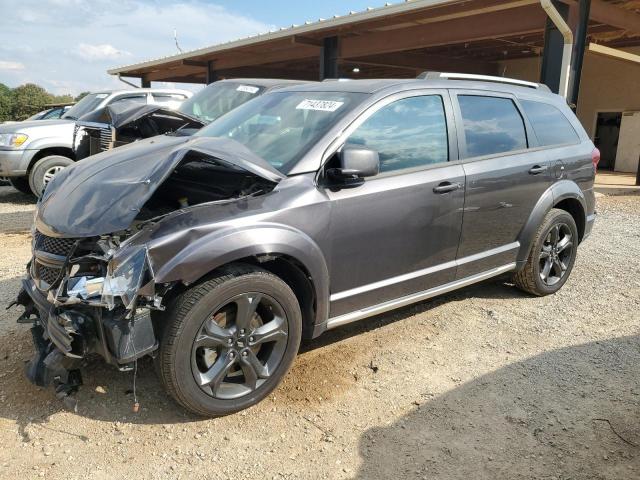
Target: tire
{"x": 552, "y": 257}
{"x": 43, "y": 171}
{"x": 21, "y": 184}
{"x": 185, "y": 367}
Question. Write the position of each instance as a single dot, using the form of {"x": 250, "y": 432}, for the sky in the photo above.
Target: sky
{"x": 66, "y": 46}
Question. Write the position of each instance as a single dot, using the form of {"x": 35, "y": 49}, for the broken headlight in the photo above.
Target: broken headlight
{"x": 123, "y": 279}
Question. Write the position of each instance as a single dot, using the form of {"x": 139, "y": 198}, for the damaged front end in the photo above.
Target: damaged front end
{"x": 125, "y": 122}
{"x": 82, "y": 298}
{"x": 88, "y": 291}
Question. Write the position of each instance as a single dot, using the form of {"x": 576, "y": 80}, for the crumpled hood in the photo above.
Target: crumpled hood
{"x": 104, "y": 193}
{"x": 119, "y": 115}
{"x": 24, "y": 126}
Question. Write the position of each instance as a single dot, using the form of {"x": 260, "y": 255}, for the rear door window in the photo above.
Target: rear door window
{"x": 407, "y": 133}
{"x": 549, "y": 123}
{"x": 492, "y": 125}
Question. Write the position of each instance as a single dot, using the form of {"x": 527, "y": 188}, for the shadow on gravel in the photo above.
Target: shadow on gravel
{"x": 9, "y": 194}
{"x": 495, "y": 289}
{"x": 568, "y": 413}
{"x": 107, "y": 395}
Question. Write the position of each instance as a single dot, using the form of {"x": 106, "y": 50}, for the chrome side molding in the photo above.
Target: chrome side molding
{"x": 416, "y": 297}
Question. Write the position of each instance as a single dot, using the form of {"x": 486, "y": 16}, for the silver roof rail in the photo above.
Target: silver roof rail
{"x": 481, "y": 78}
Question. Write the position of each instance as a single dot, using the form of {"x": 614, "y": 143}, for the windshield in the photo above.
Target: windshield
{"x": 86, "y": 105}
{"x": 218, "y": 99}
{"x": 280, "y": 127}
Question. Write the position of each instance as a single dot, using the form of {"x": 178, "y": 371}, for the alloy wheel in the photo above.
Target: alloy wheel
{"x": 50, "y": 173}
{"x": 555, "y": 254}
{"x": 239, "y": 346}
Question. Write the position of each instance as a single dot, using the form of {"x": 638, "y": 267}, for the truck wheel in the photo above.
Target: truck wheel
{"x": 552, "y": 255}
{"x": 21, "y": 184}
{"x": 228, "y": 342}
{"x": 44, "y": 170}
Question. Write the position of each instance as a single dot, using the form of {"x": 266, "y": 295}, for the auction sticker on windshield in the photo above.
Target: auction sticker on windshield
{"x": 247, "y": 89}
{"x": 320, "y": 105}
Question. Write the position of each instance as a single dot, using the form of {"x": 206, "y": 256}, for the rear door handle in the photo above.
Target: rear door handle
{"x": 446, "y": 187}
{"x": 538, "y": 169}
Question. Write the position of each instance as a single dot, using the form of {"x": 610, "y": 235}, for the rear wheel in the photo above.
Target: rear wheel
{"x": 21, "y": 184}
{"x": 552, "y": 255}
{"x": 44, "y": 170}
{"x": 229, "y": 341}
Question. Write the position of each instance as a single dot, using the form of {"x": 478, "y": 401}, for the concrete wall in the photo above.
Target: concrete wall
{"x": 607, "y": 84}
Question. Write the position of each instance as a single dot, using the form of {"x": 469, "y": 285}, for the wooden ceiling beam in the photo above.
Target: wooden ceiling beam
{"x": 612, "y": 15}
{"x": 517, "y": 21}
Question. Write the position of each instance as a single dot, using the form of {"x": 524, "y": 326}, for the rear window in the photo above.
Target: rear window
{"x": 492, "y": 125}
{"x": 549, "y": 123}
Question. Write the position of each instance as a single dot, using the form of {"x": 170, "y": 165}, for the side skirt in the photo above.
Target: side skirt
{"x": 416, "y": 297}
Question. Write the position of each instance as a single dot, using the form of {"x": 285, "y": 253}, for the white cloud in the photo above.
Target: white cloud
{"x": 4, "y": 65}
{"x": 100, "y": 52}
{"x": 68, "y": 45}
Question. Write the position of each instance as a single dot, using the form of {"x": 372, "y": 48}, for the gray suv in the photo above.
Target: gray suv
{"x": 32, "y": 152}
{"x": 298, "y": 212}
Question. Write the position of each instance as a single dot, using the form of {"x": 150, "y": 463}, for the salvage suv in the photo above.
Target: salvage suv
{"x": 298, "y": 212}
{"x": 32, "y": 152}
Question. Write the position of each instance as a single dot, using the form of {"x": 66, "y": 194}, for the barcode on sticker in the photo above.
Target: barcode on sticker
{"x": 247, "y": 89}
{"x": 320, "y": 105}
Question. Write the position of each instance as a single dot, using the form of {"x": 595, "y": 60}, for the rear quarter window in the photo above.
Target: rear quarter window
{"x": 549, "y": 123}
{"x": 492, "y": 125}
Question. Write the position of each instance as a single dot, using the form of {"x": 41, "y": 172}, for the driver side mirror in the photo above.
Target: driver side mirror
{"x": 356, "y": 163}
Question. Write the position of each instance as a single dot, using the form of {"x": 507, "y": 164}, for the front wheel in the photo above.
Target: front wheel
{"x": 552, "y": 255}
{"x": 228, "y": 342}
{"x": 44, "y": 170}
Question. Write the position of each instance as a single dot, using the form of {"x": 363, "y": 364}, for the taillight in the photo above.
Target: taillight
{"x": 595, "y": 157}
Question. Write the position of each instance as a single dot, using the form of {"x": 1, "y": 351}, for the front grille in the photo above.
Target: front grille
{"x": 56, "y": 246}
{"x": 47, "y": 274}
{"x": 49, "y": 257}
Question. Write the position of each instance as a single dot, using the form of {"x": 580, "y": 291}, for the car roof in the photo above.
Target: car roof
{"x": 372, "y": 86}
{"x": 138, "y": 90}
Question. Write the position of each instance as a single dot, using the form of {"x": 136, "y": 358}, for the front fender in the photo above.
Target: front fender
{"x": 556, "y": 193}
{"x": 193, "y": 260}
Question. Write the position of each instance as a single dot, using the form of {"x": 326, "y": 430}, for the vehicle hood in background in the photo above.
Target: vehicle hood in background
{"x": 104, "y": 194}
{"x": 121, "y": 114}
{"x": 22, "y": 127}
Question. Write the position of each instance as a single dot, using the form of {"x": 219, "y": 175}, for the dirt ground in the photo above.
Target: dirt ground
{"x": 484, "y": 383}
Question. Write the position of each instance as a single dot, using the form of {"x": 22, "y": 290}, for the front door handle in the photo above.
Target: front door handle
{"x": 446, "y": 187}
{"x": 538, "y": 169}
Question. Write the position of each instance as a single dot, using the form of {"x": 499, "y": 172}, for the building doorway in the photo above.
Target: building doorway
{"x": 606, "y": 138}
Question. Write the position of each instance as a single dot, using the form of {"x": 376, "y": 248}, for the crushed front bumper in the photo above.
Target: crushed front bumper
{"x": 63, "y": 336}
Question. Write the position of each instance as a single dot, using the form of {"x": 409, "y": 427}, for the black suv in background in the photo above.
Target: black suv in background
{"x": 117, "y": 125}
{"x": 300, "y": 211}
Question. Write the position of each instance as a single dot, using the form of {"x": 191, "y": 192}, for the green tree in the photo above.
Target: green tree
{"x": 82, "y": 95}
{"x": 6, "y": 103}
{"x": 62, "y": 98}
{"x": 29, "y": 99}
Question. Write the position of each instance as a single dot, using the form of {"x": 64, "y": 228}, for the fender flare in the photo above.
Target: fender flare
{"x": 555, "y": 194}
{"x": 197, "y": 259}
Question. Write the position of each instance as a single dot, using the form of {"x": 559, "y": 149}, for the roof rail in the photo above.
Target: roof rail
{"x": 481, "y": 78}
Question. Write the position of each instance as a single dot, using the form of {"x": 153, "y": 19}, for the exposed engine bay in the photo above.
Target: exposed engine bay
{"x": 122, "y": 123}
{"x": 95, "y": 294}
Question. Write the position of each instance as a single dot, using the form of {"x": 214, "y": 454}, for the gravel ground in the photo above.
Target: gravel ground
{"x": 483, "y": 383}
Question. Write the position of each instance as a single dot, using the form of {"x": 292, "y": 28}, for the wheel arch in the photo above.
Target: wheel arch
{"x": 49, "y": 151}
{"x": 283, "y": 251}
{"x": 565, "y": 195}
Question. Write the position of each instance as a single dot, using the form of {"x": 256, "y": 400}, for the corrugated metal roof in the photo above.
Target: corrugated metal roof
{"x": 321, "y": 24}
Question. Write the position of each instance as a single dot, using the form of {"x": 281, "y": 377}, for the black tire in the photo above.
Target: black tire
{"x": 41, "y": 172}
{"x": 562, "y": 256}
{"x": 188, "y": 315}
{"x": 21, "y": 184}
